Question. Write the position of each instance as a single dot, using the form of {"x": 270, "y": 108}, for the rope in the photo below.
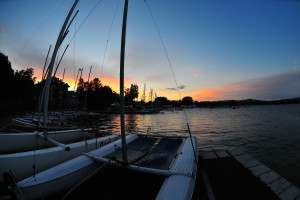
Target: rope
{"x": 34, "y": 157}
{"x": 74, "y": 67}
{"x": 41, "y": 24}
{"x": 167, "y": 55}
{"x": 113, "y": 19}
{"x": 75, "y": 33}
{"x": 99, "y": 2}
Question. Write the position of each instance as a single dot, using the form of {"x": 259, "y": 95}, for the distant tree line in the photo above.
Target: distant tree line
{"x": 94, "y": 95}
{"x": 18, "y": 92}
{"x": 162, "y": 101}
{"x": 246, "y": 102}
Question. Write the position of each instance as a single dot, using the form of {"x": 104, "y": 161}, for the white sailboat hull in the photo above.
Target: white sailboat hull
{"x": 178, "y": 185}
{"x": 65, "y": 175}
{"x": 16, "y": 142}
{"x": 24, "y": 125}
{"x": 20, "y": 164}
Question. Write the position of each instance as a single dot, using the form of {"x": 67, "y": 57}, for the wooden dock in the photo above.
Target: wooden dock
{"x": 235, "y": 174}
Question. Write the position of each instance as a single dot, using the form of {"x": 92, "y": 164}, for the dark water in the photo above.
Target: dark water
{"x": 271, "y": 134}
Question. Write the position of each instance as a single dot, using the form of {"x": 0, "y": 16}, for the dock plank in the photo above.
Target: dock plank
{"x": 290, "y": 193}
{"x": 236, "y": 152}
{"x": 243, "y": 157}
{"x": 279, "y": 185}
{"x": 269, "y": 177}
{"x": 260, "y": 169}
{"x": 222, "y": 154}
{"x": 250, "y": 163}
{"x": 209, "y": 155}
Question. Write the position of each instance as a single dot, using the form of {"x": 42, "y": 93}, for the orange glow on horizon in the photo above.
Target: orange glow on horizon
{"x": 226, "y": 92}
{"x": 111, "y": 81}
{"x": 205, "y": 94}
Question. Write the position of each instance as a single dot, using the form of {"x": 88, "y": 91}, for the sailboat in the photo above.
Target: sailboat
{"x": 35, "y": 161}
{"x": 37, "y": 151}
{"x": 30, "y": 124}
{"x": 172, "y": 157}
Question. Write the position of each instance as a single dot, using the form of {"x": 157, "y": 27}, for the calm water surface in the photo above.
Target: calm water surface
{"x": 269, "y": 133}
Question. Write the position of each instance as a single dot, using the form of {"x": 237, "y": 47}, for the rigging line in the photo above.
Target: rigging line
{"x": 190, "y": 134}
{"x": 74, "y": 67}
{"x": 167, "y": 55}
{"x": 99, "y": 2}
{"x": 41, "y": 24}
{"x": 165, "y": 49}
{"x": 113, "y": 19}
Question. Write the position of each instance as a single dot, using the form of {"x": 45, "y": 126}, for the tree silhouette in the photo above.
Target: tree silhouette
{"x": 131, "y": 94}
{"x": 6, "y": 79}
{"x": 18, "y": 92}
{"x": 97, "y": 95}
{"x": 187, "y": 100}
{"x": 162, "y": 101}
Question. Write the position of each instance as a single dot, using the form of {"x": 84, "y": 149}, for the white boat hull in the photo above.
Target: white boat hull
{"x": 65, "y": 175}
{"x": 20, "y": 164}
{"x": 178, "y": 185}
{"x": 16, "y": 142}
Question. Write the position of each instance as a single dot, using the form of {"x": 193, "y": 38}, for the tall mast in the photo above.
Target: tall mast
{"x": 42, "y": 91}
{"x": 63, "y": 33}
{"x": 64, "y": 74}
{"x": 122, "y": 109}
{"x": 84, "y": 108}
{"x": 60, "y": 60}
{"x": 46, "y": 61}
{"x": 144, "y": 94}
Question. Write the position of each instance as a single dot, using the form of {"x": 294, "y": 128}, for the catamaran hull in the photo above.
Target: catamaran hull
{"x": 21, "y": 164}
{"x": 25, "y": 126}
{"x": 61, "y": 177}
{"x": 179, "y": 185}
{"x": 16, "y": 142}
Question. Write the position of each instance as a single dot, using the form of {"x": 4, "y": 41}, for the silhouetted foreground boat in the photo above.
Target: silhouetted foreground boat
{"x": 168, "y": 156}
{"x": 29, "y": 163}
{"x": 18, "y": 142}
{"x": 24, "y": 125}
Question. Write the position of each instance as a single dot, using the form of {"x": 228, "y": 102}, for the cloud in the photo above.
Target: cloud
{"x": 179, "y": 87}
{"x": 279, "y": 86}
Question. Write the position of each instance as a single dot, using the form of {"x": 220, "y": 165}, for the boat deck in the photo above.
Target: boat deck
{"x": 236, "y": 175}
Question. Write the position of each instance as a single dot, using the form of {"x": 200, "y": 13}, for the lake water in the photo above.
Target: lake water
{"x": 270, "y": 133}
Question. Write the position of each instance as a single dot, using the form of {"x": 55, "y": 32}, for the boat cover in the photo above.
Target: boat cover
{"x": 151, "y": 152}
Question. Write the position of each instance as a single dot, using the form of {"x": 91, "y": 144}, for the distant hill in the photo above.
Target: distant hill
{"x": 246, "y": 102}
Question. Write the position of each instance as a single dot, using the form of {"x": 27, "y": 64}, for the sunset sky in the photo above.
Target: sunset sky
{"x": 218, "y": 49}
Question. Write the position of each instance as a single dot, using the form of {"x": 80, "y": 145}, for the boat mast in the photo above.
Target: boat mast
{"x": 122, "y": 109}
{"x": 60, "y": 60}
{"x": 46, "y": 62}
{"x": 84, "y": 108}
{"x": 63, "y": 33}
{"x": 144, "y": 94}
{"x": 42, "y": 91}
{"x": 64, "y": 74}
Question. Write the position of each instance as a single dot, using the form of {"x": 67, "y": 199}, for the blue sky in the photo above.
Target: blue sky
{"x": 233, "y": 49}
